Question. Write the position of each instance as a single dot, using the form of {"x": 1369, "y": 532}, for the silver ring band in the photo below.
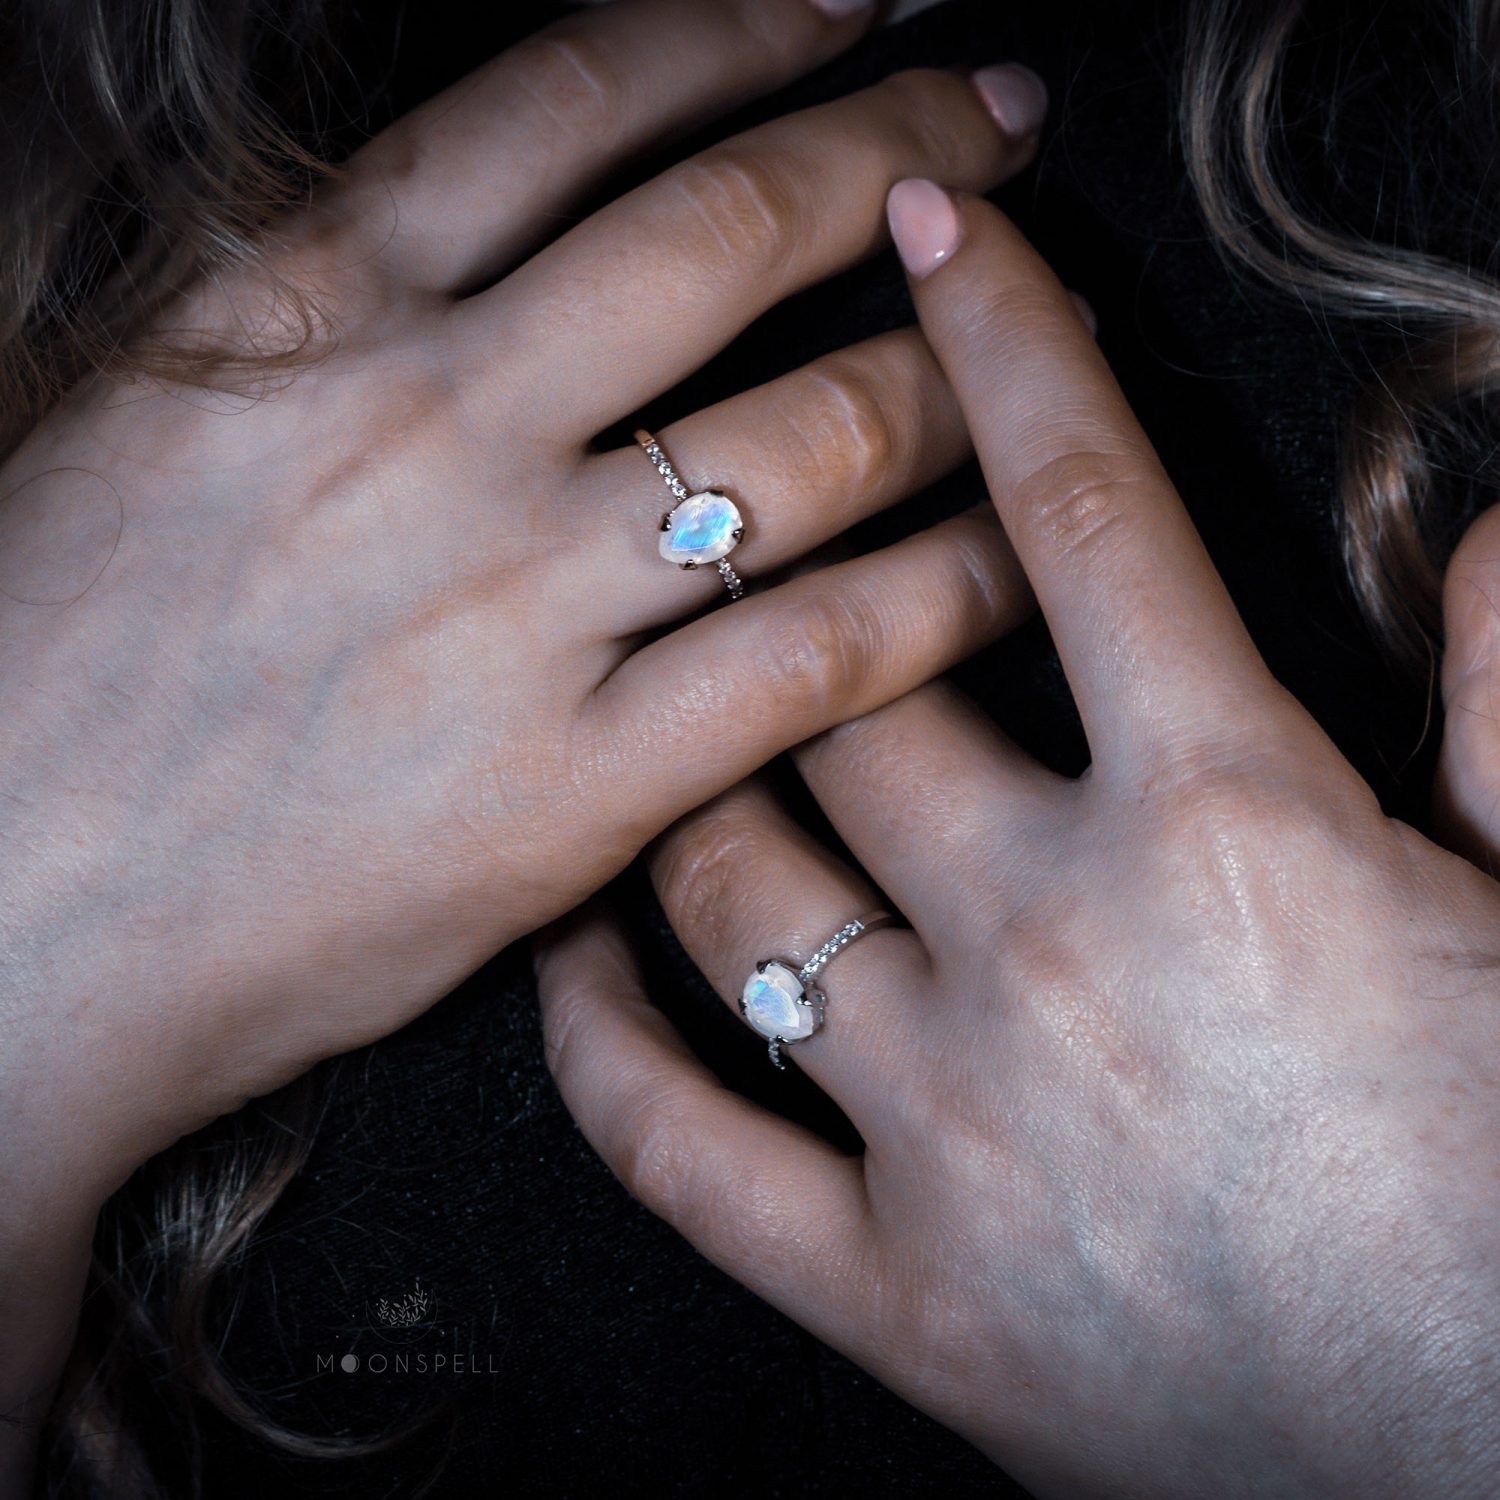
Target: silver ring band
{"x": 700, "y": 528}
{"x": 780, "y": 1001}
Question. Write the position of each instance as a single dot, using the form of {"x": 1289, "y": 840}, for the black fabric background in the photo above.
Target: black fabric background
{"x": 610, "y": 1358}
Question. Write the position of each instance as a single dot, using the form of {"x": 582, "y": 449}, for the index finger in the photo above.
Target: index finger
{"x": 1149, "y": 638}
{"x": 469, "y": 182}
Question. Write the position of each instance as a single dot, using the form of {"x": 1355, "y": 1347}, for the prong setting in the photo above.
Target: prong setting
{"x": 703, "y": 528}
{"x": 780, "y": 1001}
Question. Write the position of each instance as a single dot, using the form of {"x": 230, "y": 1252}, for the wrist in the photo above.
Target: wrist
{"x": 66, "y": 1145}
{"x": 99, "y": 1073}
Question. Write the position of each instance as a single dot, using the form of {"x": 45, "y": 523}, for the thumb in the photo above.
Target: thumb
{"x": 1466, "y": 802}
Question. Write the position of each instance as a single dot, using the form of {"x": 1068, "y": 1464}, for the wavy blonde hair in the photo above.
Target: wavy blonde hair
{"x": 1419, "y": 422}
{"x": 147, "y": 150}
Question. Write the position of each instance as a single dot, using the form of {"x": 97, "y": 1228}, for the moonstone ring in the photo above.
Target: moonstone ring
{"x": 701, "y": 528}
{"x": 780, "y": 1000}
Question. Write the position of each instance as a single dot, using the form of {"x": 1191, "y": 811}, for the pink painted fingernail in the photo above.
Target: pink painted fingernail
{"x": 1015, "y": 97}
{"x": 924, "y": 224}
{"x": 841, "y": 10}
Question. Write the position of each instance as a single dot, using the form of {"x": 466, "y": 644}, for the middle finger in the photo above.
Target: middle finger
{"x": 623, "y": 307}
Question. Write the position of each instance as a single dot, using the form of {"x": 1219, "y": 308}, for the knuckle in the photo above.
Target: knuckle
{"x": 764, "y": 32}
{"x": 1040, "y": 947}
{"x": 1077, "y": 503}
{"x": 570, "y": 76}
{"x": 1208, "y": 806}
{"x": 1225, "y": 810}
{"x": 817, "y": 654}
{"x": 1065, "y": 998}
{"x": 927, "y": 102}
{"x": 700, "y": 875}
{"x": 847, "y": 430}
{"x": 747, "y": 199}
{"x": 980, "y": 585}
{"x": 918, "y": 1306}
{"x": 656, "y": 1163}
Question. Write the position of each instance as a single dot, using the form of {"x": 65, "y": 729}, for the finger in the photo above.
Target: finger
{"x": 493, "y": 167}
{"x": 804, "y": 458}
{"x": 683, "y": 264}
{"x": 928, "y": 794}
{"x": 1150, "y": 641}
{"x": 700, "y": 709}
{"x": 1467, "y": 800}
{"x": 741, "y": 884}
{"x": 766, "y": 1200}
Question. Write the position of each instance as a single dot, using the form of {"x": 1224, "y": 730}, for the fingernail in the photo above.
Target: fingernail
{"x": 1015, "y": 97}
{"x": 924, "y": 224}
{"x": 1087, "y": 313}
{"x": 842, "y": 9}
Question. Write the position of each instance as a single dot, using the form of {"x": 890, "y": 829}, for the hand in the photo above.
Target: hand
{"x": 1467, "y": 804}
{"x": 1180, "y": 1098}
{"x": 311, "y": 702}
{"x": 314, "y": 696}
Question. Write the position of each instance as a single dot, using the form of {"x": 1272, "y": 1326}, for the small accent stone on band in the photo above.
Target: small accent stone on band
{"x": 732, "y": 580}
{"x": 820, "y": 960}
{"x": 665, "y": 469}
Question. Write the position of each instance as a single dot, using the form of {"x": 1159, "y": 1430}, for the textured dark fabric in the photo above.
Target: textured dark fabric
{"x": 605, "y": 1356}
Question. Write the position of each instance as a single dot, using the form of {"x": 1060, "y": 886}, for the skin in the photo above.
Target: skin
{"x": 1467, "y": 799}
{"x": 313, "y": 697}
{"x": 1180, "y": 1095}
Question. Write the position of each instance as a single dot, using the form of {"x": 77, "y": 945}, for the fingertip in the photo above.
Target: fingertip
{"x": 1086, "y": 312}
{"x": 1015, "y": 97}
{"x": 1471, "y": 605}
{"x": 551, "y": 942}
{"x": 590, "y": 940}
{"x": 924, "y": 224}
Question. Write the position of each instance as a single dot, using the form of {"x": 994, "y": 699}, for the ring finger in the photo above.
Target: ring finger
{"x": 742, "y": 883}
{"x": 934, "y": 800}
{"x": 803, "y": 458}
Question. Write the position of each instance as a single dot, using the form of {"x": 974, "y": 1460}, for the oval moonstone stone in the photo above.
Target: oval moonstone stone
{"x": 701, "y": 529}
{"x": 771, "y": 1004}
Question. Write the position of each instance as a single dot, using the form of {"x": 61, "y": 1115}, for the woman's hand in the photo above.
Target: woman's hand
{"x": 1467, "y": 804}
{"x": 311, "y": 698}
{"x": 310, "y": 701}
{"x": 1180, "y": 1099}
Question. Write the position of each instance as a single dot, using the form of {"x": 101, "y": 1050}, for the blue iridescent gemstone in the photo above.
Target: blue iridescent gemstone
{"x": 702, "y": 529}
{"x": 772, "y": 1003}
